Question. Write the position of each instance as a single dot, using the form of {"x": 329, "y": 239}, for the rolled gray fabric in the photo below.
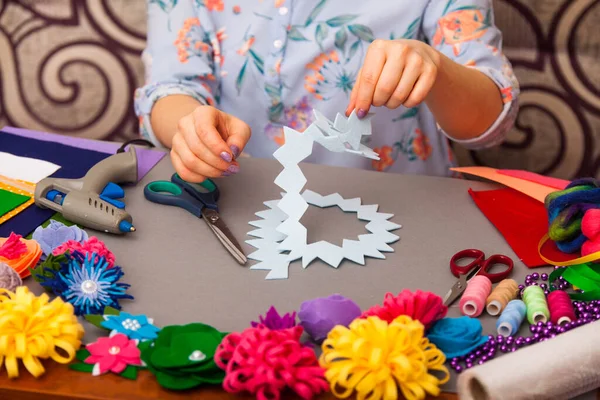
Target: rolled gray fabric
{"x": 560, "y": 368}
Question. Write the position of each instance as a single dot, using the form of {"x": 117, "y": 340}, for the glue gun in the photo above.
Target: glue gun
{"x": 92, "y": 201}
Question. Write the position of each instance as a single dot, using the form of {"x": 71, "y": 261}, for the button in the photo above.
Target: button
{"x": 278, "y": 44}
{"x": 283, "y": 10}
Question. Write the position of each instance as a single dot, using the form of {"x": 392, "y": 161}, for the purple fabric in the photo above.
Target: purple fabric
{"x": 55, "y": 235}
{"x": 320, "y": 315}
{"x": 147, "y": 158}
{"x": 275, "y": 322}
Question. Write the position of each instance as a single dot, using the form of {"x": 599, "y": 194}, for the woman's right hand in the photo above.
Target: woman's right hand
{"x": 207, "y": 143}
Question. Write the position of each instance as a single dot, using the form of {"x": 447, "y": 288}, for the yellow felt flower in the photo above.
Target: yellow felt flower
{"x": 374, "y": 359}
{"x": 32, "y": 327}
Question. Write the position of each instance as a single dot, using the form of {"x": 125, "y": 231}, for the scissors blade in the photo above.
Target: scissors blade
{"x": 220, "y": 229}
{"x": 456, "y": 291}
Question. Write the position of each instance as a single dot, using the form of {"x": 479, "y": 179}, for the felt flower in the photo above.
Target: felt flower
{"x": 9, "y": 279}
{"x": 425, "y": 307}
{"x": 457, "y": 336}
{"x": 181, "y": 357}
{"x": 374, "y": 358}
{"x": 33, "y": 328}
{"x": 92, "y": 245}
{"x": 87, "y": 283}
{"x": 138, "y": 327}
{"x": 320, "y": 315}
{"x": 56, "y": 234}
{"x": 48, "y": 268}
{"x": 272, "y": 320}
{"x": 113, "y": 354}
{"x": 13, "y": 248}
{"x": 264, "y": 362}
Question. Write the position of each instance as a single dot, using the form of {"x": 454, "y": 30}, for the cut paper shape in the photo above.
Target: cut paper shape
{"x": 532, "y": 189}
{"x": 281, "y": 231}
{"x": 17, "y": 187}
{"x": 9, "y": 200}
{"x": 559, "y": 184}
{"x": 521, "y": 220}
{"x": 25, "y": 168}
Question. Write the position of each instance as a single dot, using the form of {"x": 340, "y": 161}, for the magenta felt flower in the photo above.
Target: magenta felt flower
{"x": 113, "y": 354}
{"x": 92, "y": 245}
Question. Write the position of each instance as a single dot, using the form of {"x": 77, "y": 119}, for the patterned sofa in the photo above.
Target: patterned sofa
{"x": 71, "y": 66}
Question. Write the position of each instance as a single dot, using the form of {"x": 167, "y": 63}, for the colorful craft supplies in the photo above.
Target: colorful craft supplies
{"x": 504, "y": 292}
{"x": 276, "y": 322}
{"x": 33, "y": 328}
{"x": 511, "y": 318}
{"x": 117, "y": 354}
{"x": 56, "y": 234}
{"x": 137, "y": 327}
{"x": 425, "y": 307}
{"x": 19, "y": 254}
{"x": 537, "y": 306}
{"x": 282, "y": 360}
{"x": 9, "y": 278}
{"x": 521, "y": 220}
{"x": 9, "y": 201}
{"x": 561, "y": 307}
{"x": 457, "y": 336}
{"x": 25, "y": 168}
{"x": 585, "y": 277}
{"x": 405, "y": 359}
{"x": 16, "y": 187}
{"x": 472, "y": 302}
{"x": 92, "y": 245}
{"x": 182, "y": 357}
{"x": 319, "y": 316}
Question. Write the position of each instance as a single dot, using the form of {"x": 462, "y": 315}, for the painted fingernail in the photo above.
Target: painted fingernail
{"x": 233, "y": 169}
{"x": 361, "y": 113}
{"x": 226, "y": 156}
{"x": 226, "y": 173}
{"x": 235, "y": 150}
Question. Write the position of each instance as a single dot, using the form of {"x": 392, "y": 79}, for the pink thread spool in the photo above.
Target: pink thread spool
{"x": 561, "y": 307}
{"x": 472, "y": 302}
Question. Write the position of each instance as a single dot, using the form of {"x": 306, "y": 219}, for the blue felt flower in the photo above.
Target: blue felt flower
{"x": 137, "y": 327}
{"x": 55, "y": 234}
{"x": 87, "y": 283}
{"x": 456, "y": 337}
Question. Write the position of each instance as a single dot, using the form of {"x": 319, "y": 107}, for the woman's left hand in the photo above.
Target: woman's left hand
{"x": 394, "y": 73}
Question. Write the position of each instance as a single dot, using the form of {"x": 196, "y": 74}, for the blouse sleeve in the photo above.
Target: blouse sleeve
{"x": 179, "y": 57}
{"x": 464, "y": 30}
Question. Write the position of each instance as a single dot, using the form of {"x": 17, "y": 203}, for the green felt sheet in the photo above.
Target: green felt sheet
{"x": 9, "y": 201}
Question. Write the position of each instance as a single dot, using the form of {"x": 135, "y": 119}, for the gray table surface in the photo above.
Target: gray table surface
{"x": 179, "y": 273}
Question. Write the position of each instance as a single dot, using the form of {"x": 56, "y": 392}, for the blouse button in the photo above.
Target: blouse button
{"x": 283, "y": 11}
{"x": 278, "y": 44}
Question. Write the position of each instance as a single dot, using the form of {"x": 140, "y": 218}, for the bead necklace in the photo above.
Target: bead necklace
{"x": 585, "y": 312}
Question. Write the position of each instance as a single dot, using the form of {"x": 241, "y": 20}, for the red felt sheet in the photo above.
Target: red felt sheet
{"x": 522, "y": 221}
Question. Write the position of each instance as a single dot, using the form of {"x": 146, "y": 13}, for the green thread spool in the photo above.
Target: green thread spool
{"x": 537, "y": 306}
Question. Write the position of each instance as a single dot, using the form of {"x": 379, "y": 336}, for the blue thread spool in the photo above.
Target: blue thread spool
{"x": 512, "y": 317}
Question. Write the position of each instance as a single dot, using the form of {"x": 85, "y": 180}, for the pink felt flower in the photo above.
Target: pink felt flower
{"x": 92, "y": 245}
{"x": 113, "y": 354}
{"x": 265, "y": 362}
{"x": 13, "y": 247}
{"x": 425, "y": 307}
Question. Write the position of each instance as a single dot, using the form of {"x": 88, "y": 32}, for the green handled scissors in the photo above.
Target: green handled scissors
{"x": 199, "y": 199}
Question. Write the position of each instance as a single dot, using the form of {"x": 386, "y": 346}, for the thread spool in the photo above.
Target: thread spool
{"x": 503, "y": 293}
{"x": 511, "y": 318}
{"x": 537, "y": 307}
{"x": 561, "y": 307}
{"x": 473, "y": 299}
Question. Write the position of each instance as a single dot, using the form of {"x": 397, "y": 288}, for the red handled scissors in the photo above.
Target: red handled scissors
{"x": 479, "y": 266}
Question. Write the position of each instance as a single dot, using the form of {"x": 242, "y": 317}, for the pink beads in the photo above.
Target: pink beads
{"x": 472, "y": 302}
{"x": 561, "y": 308}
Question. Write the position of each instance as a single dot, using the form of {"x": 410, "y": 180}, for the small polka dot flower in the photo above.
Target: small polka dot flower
{"x": 138, "y": 327}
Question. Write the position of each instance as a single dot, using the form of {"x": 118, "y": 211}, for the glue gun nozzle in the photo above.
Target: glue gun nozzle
{"x": 132, "y": 229}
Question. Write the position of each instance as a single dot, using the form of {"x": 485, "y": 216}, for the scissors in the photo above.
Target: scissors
{"x": 199, "y": 199}
{"x": 479, "y": 266}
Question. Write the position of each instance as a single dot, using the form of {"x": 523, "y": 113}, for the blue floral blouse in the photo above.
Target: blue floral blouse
{"x": 270, "y": 62}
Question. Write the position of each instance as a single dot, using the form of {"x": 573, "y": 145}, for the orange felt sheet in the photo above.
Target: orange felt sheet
{"x": 27, "y": 260}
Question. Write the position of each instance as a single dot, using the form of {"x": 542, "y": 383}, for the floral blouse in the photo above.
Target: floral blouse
{"x": 270, "y": 62}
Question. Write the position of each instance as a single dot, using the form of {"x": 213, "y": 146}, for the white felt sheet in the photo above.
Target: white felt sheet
{"x": 25, "y": 168}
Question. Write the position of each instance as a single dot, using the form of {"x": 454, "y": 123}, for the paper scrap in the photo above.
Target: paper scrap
{"x": 25, "y": 168}
{"x": 532, "y": 189}
{"x": 549, "y": 181}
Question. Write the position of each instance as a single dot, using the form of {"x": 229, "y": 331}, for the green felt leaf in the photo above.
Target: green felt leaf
{"x": 362, "y": 32}
{"x": 295, "y": 34}
{"x": 177, "y": 382}
{"x": 214, "y": 378}
{"x": 340, "y": 20}
{"x": 321, "y": 33}
{"x": 111, "y": 311}
{"x": 240, "y": 78}
{"x": 81, "y": 367}
{"x": 95, "y": 320}
{"x": 184, "y": 344}
{"x": 341, "y": 37}
{"x": 130, "y": 372}
{"x": 315, "y": 12}
{"x": 82, "y": 354}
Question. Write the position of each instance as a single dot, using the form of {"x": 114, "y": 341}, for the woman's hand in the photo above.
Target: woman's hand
{"x": 394, "y": 73}
{"x": 206, "y": 144}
